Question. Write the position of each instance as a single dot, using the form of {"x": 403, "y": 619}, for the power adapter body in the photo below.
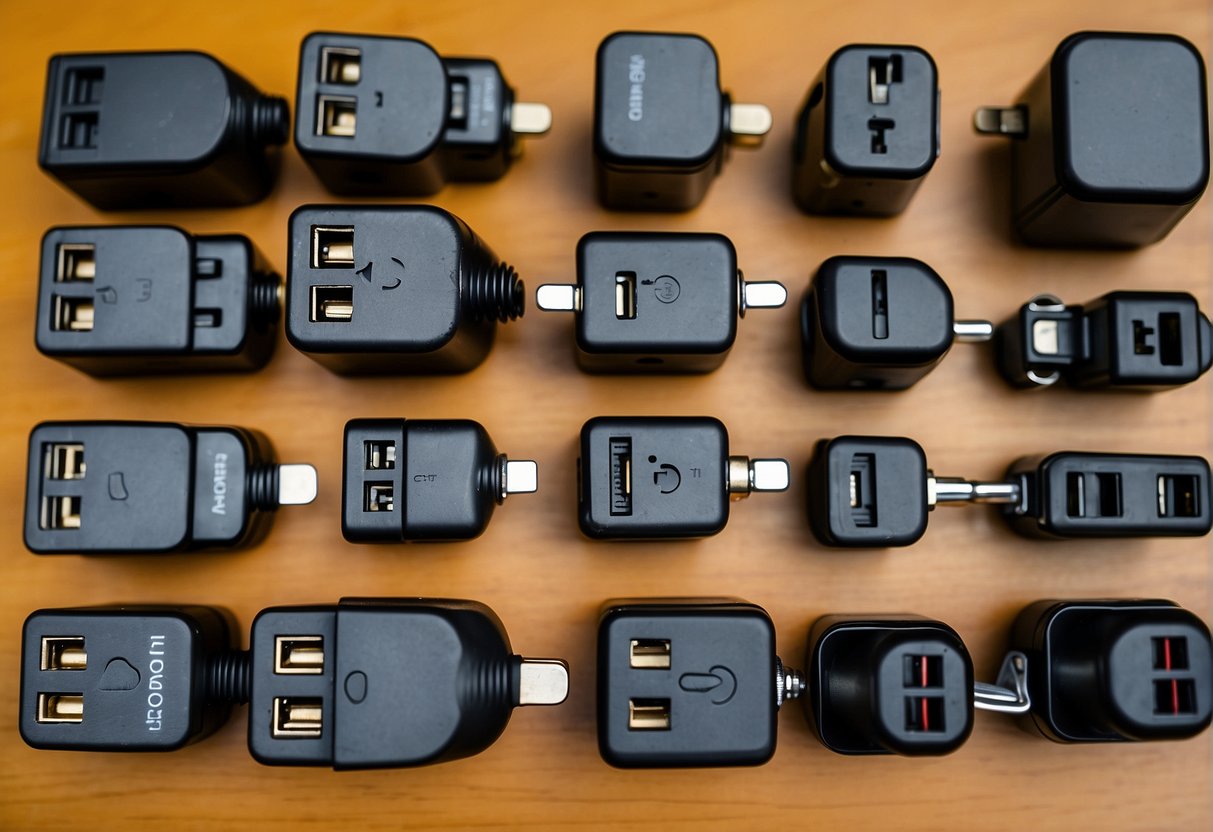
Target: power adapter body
{"x": 152, "y": 487}
{"x": 159, "y": 129}
{"x": 1111, "y": 141}
{"x": 868, "y": 132}
{"x": 394, "y": 289}
{"x": 447, "y": 472}
{"x": 688, "y": 682}
{"x": 874, "y": 323}
{"x": 127, "y": 300}
{"x": 126, "y": 678}
{"x": 888, "y": 684}
{"x": 1116, "y": 670}
{"x": 662, "y": 125}
{"x": 388, "y": 115}
{"x": 376, "y": 683}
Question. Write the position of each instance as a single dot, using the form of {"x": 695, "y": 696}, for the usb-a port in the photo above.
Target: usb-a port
{"x": 621, "y": 475}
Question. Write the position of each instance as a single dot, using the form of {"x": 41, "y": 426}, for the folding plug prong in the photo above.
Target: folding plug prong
{"x": 1008, "y": 695}
{"x": 543, "y": 681}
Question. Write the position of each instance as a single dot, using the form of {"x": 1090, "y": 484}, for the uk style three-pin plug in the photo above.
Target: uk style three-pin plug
{"x": 153, "y": 487}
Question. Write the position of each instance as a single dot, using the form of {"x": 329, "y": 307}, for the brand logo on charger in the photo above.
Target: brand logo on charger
{"x": 636, "y": 90}
{"x": 219, "y": 485}
{"x": 155, "y": 684}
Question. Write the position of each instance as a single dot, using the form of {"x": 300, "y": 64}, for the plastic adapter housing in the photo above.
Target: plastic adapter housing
{"x": 885, "y": 684}
{"x": 874, "y": 323}
{"x": 868, "y": 131}
{"x": 159, "y": 129}
{"x": 127, "y": 300}
{"x": 136, "y": 678}
{"x": 1116, "y": 149}
{"x": 394, "y": 289}
{"x": 1116, "y": 670}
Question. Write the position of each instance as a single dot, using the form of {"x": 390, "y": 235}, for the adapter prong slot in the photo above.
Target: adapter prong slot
{"x": 63, "y": 653}
{"x": 64, "y": 461}
{"x": 60, "y": 707}
{"x": 299, "y": 655}
{"x": 650, "y": 653}
{"x": 648, "y": 714}
{"x": 75, "y": 262}
{"x": 297, "y": 718}
{"x": 1009, "y": 694}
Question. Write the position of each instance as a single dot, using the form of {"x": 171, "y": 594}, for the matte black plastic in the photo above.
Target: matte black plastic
{"x": 150, "y": 487}
{"x": 890, "y": 486}
{"x": 1117, "y": 148}
{"x": 405, "y": 682}
{"x": 851, "y": 155}
{"x": 885, "y": 684}
{"x": 1116, "y": 670}
{"x": 684, "y": 308}
{"x": 427, "y": 293}
{"x": 1078, "y": 494}
{"x": 674, "y": 477}
{"x": 874, "y": 323}
{"x": 1123, "y": 341}
{"x": 719, "y": 686}
{"x": 444, "y": 483}
{"x": 659, "y": 121}
{"x": 146, "y": 684}
{"x": 163, "y": 301}
{"x": 409, "y": 138}
{"x": 159, "y": 129}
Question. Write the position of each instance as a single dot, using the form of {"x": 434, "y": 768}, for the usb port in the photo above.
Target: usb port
{"x": 380, "y": 455}
{"x": 84, "y": 85}
{"x": 862, "y": 484}
{"x": 75, "y": 262}
{"x": 1178, "y": 495}
{"x": 625, "y": 295}
{"x": 79, "y": 131}
{"x": 297, "y": 718}
{"x": 1173, "y": 697}
{"x": 379, "y": 496}
{"x": 923, "y": 671}
{"x": 648, "y": 714}
{"x": 333, "y": 248}
{"x": 336, "y": 116}
{"x": 72, "y": 314}
{"x": 621, "y": 475}
{"x": 60, "y": 512}
{"x": 651, "y": 653}
{"x": 299, "y": 654}
{"x": 61, "y": 707}
{"x": 64, "y": 653}
{"x": 332, "y": 304}
{"x": 1093, "y": 495}
{"x": 340, "y": 65}
{"x": 64, "y": 460}
{"x": 924, "y": 714}
{"x": 1170, "y": 653}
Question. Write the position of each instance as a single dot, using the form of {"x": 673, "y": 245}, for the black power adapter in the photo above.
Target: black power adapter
{"x": 656, "y": 303}
{"x": 1111, "y": 140}
{"x": 868, "y": 132}
{"x": 419, "y": 479}
{"x": 876, "y": 491}
{"x": 689, "y": 682}
{"x": 394, "y": 288}
{"x": 123, "y": 300}
{"x": 884, "y": 684}
{"x": 388, "y": 115}
{"x": 1116, "y": 670}
{"x": 136, "y": 678}
{"x": 376, "y": 683}
{"x": 878, "y": 323}
{"x": 649, "y": 478}
{"x": 154, "y": 129}
{"x": 662, "y": 125}
{"x": 153, "y": 487}
{"x": 1122, "y": 340}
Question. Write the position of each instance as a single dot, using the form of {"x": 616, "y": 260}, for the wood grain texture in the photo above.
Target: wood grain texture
{"x": 532, "y": 566}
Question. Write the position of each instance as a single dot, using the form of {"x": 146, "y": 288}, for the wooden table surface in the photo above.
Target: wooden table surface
{"x": 544, "y": 580}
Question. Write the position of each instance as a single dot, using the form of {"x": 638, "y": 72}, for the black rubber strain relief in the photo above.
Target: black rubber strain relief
{"x": 489, "y": 685}
{"x": 271, "y": 120}
{"x": 496, "y": 293}
{"x": 228, "y": 677}
{"x": 263, "y": 300}
{"x": 493, "y": 476}
{"x": 263, "y": 487}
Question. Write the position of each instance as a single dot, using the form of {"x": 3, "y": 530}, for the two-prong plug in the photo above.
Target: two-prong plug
{"x": 388, "y": 115}
{"x": 376, "y": 683}
{"x": 153, "y": 487}
{"x": 425, "y": 479}
{"x": 876, "y": 491}
{"x": 657, "y": 302}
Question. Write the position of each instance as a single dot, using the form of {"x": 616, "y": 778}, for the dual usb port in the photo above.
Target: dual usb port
{"x": 337, "y": 115}
{"x": 62, "y": 653}
{"x": 1172, "y": 696}
{"x": 298, "y": 717}
{"x": 82, "y": 88}
{"x": 649, "y": 714}
{"x": 332, "y": 248}
{"x": 1099, "y": 494}
{"x": 380, "y": 455}
{"x": 61, "y": 461}
{"x": 74, "y": 263}
{"x": 923, "y": 714}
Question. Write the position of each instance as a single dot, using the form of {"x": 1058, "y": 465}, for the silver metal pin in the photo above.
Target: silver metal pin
{"x": 519, "y": 476}
{"x": 973, "y": 331}
{"x": 748, "y": 124}
{"x": 951, "y": 490}
{"x": 296, "y": 484}
{"x": 543, "y": 682}
{"x": 530, "y": 119}
{"x": 749, "y": 475}
{"x": 763, "y": 294}
{"x": 1001, "y": 121}
{"x": 1009, "y": 695}
{"x": 558, "y": 297}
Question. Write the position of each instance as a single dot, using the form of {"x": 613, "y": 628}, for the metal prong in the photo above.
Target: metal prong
{"x": 558, "y": 297}
{"x": 748, "y": 124}
{"x": 530, "y": 119}
{"x": 1001, "y": 121}
{"x": 1009, "y": 695}
{"x": 973, "y": 332}
{"x": 945, "y": 490}
{"x": 763, "y": 294}
{"x": 748, "y": 475}
{"x": 789, "y": 683}
{"x": 520, "y": 476}
{"x": 296, "y": 484}
{"x": 543, "y": 682}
